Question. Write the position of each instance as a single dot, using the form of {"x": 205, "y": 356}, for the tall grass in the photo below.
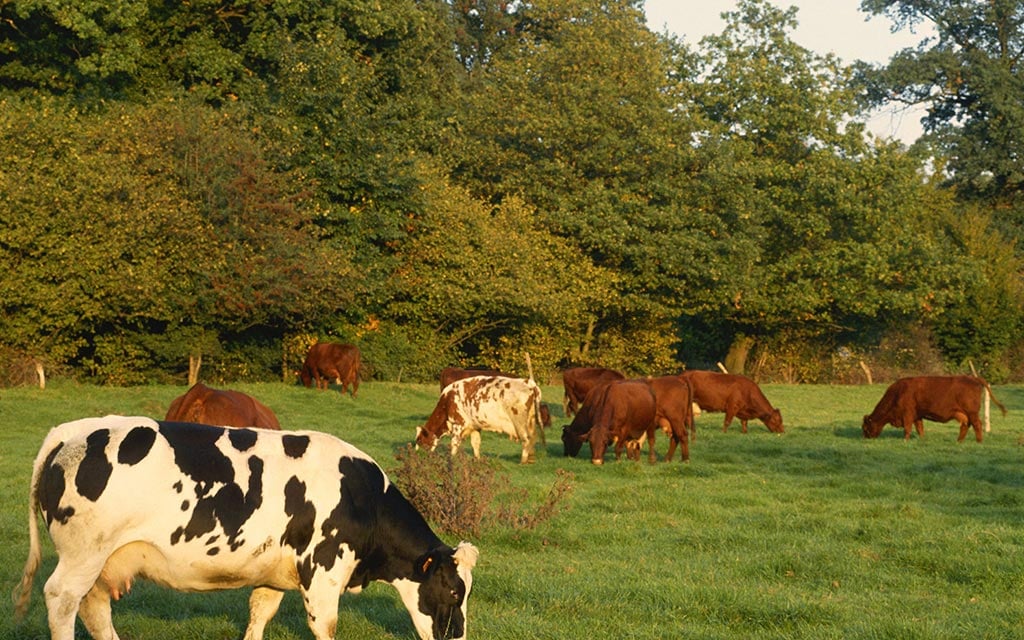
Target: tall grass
{"x": 816, "y": 533}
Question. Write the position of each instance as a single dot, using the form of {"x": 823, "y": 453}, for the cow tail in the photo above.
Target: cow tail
{"x": 989, "y": 394}
{"x": 23, "y": 592}
{"x": 536, "y": 414}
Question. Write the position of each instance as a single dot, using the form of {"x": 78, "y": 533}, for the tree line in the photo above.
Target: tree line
{"x": 459, "y": 181}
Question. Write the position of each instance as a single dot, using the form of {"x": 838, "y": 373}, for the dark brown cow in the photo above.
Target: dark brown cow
{"x": 625, "y": 412}
{"x": 221, "y": 408}
{"x": 909, "y": 401}
{"x": 328, "y": 361}
{"x": 580, "y": 380}
{"x": 738, "y": 396}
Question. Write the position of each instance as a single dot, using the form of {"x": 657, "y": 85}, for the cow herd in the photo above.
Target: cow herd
{"x": 202, "y": 500}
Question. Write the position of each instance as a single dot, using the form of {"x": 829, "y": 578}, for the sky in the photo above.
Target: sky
{"x": 825, "y": 26}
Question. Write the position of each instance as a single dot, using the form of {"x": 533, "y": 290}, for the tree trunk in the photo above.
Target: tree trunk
{"x": 194, "y": 362}
{"x": 41, "y": 374}
{"x": 736, "y": 359}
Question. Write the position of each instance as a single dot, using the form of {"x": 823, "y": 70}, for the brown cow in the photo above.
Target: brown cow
{"x": 625, "y": 412}
{"x": 579, "y": 381}
{"x": 221, "y": 408}
{"x": 328, "y": 361}
{"x": 738, "y": 396}
{"x": 909, "y": 401}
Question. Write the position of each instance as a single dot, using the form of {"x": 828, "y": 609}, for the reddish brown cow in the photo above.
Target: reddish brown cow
{"x": 221, "y": 408}
{"x": 625, "y": 412}
{"x": 738, "y": 396}
{"x": 909, "y": 401}
{"x": 328, "y": 361}
{"x": 580, "y": 380}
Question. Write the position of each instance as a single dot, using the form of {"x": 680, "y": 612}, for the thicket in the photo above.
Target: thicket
{"x": 455, "y": 183}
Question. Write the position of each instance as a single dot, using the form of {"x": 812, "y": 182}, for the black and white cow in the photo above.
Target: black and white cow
{"x": 197, "y": 508}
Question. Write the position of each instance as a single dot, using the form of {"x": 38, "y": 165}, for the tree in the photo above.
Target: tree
{"x": 971, "y": 78}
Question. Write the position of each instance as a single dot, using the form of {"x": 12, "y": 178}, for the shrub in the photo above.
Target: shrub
{"x": 463, "y": 496}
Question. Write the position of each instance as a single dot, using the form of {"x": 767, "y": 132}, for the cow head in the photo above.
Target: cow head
{"x": 425, "y": 439}
{"x": 774, "y": 421}
{"x": 437, "y": 595}
{"x": 572, "y": 442}
{"x": 870, "y": 427}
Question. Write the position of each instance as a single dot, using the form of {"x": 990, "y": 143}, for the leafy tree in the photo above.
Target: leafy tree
{"x": 970, "y": 77}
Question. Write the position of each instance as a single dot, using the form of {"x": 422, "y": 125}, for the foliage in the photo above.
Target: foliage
{"x": 464, "y": 496}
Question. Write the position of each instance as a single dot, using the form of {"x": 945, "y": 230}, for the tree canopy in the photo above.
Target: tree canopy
{"x": 459, "y": 182}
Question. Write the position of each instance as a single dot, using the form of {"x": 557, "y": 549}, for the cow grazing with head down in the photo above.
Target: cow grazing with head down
{"x": 909, "y": 401}
{"x": 328, "y": 361}
{"x": 738, "y": 396}
{"x": 199, "y": 508}
{"x": 221, "y": 407}
{"x": 484, "y": 403}
{"x": 627, "y": 412}
{"x": 579, "y": 381}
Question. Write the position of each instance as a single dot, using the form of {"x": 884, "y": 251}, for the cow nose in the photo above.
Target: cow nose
{"x": 598, "y": 461}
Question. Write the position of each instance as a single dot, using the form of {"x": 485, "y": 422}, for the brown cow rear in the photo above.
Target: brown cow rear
{"x": 909, "y": 401}
{"x": 328, "y": 361}
{"x": 222, "y": 408}
{"x": 579, "y": 381}
{"x": 738, "y": 396}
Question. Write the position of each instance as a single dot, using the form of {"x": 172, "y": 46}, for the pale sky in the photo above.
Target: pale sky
{"x": 825, "y": 26}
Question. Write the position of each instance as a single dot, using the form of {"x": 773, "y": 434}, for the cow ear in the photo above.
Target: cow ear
{"x": 466, "y": 555}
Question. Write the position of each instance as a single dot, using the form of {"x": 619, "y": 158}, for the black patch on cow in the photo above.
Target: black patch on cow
{"x": 51, "y": 489}
{"x": 302, "y": 513}
{"x": 185, "y": 505}
{"x": 242, "y": 439}
{"x": 136, "y": 445}
{"x": 212, "y": 552}
{"x": 94, "y": 470}
{"x": 295, "y": 446}
{"x": 196, "y": 453}
{"x": 178, "y": 487}
{"x": 228, "y": 506}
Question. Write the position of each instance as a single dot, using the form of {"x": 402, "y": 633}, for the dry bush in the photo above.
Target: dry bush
{"x": 463, "y": 496}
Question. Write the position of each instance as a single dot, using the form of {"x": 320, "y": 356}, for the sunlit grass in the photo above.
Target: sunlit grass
{"x": 813, "y": 534}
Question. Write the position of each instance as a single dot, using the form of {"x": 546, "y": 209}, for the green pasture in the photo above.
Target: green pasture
{"x": 814, "y": 534}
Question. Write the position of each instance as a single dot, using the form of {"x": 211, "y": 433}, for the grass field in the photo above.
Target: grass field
{"x": 813, "y": 534}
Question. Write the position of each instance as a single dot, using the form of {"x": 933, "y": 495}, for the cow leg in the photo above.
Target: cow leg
{"x": 919, "y": 426}
{"x": 321, "y": 601}
{"x": 975, "y": 420}
{"x": 355, "y": 384}
{"x": 474, "y": 441}
{"x": 743, "y": 425}
{"x": 64, "y": 592}
{"x": 95, "y": 614}
{"x": 263, "y": 604}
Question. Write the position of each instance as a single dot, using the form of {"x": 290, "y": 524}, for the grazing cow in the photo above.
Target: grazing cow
{"x": 579, "y": 381}
{"x": 451, "y": 374}
{"x": 627, "y": 412}
{"x": 221, "y": 407}
{"x": 484, "y": 403}
{"x": 738, "y": 396}
{"x": 200, "y": 508}
{"x": 909, "y": 401}
{"x": 328, "y": 361}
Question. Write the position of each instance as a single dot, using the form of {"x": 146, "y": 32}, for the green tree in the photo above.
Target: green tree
{"x": 970, "y": 77}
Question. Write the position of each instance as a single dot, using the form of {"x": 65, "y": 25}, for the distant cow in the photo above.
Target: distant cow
{"x": 627, "y": 412}
{"x": 201, "y": 508}
{"x": 328, "y": 361}
{"x": 484, "y": 403}
{"x": 909, "y": 401}
{"x": 579, "y": 381}
{"x": 221, "y": 407}
{"x": 738, "y": 396}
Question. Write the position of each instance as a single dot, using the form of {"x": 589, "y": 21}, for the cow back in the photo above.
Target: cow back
{"x": 221, "y": 407}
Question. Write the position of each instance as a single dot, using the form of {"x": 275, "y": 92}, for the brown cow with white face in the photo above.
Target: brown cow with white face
{"x": 328, "y": 361}
{"x": 221, "y": 407}
{"x": 909, "y": 401}
{"x": 738, "y": 396}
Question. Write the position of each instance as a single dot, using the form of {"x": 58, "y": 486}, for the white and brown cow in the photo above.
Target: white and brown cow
{"x": 197, "y": 508}
{"x": 485, "y": 403}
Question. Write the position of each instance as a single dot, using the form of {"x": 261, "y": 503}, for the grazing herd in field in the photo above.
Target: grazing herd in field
{"x": 200, "y": 501}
